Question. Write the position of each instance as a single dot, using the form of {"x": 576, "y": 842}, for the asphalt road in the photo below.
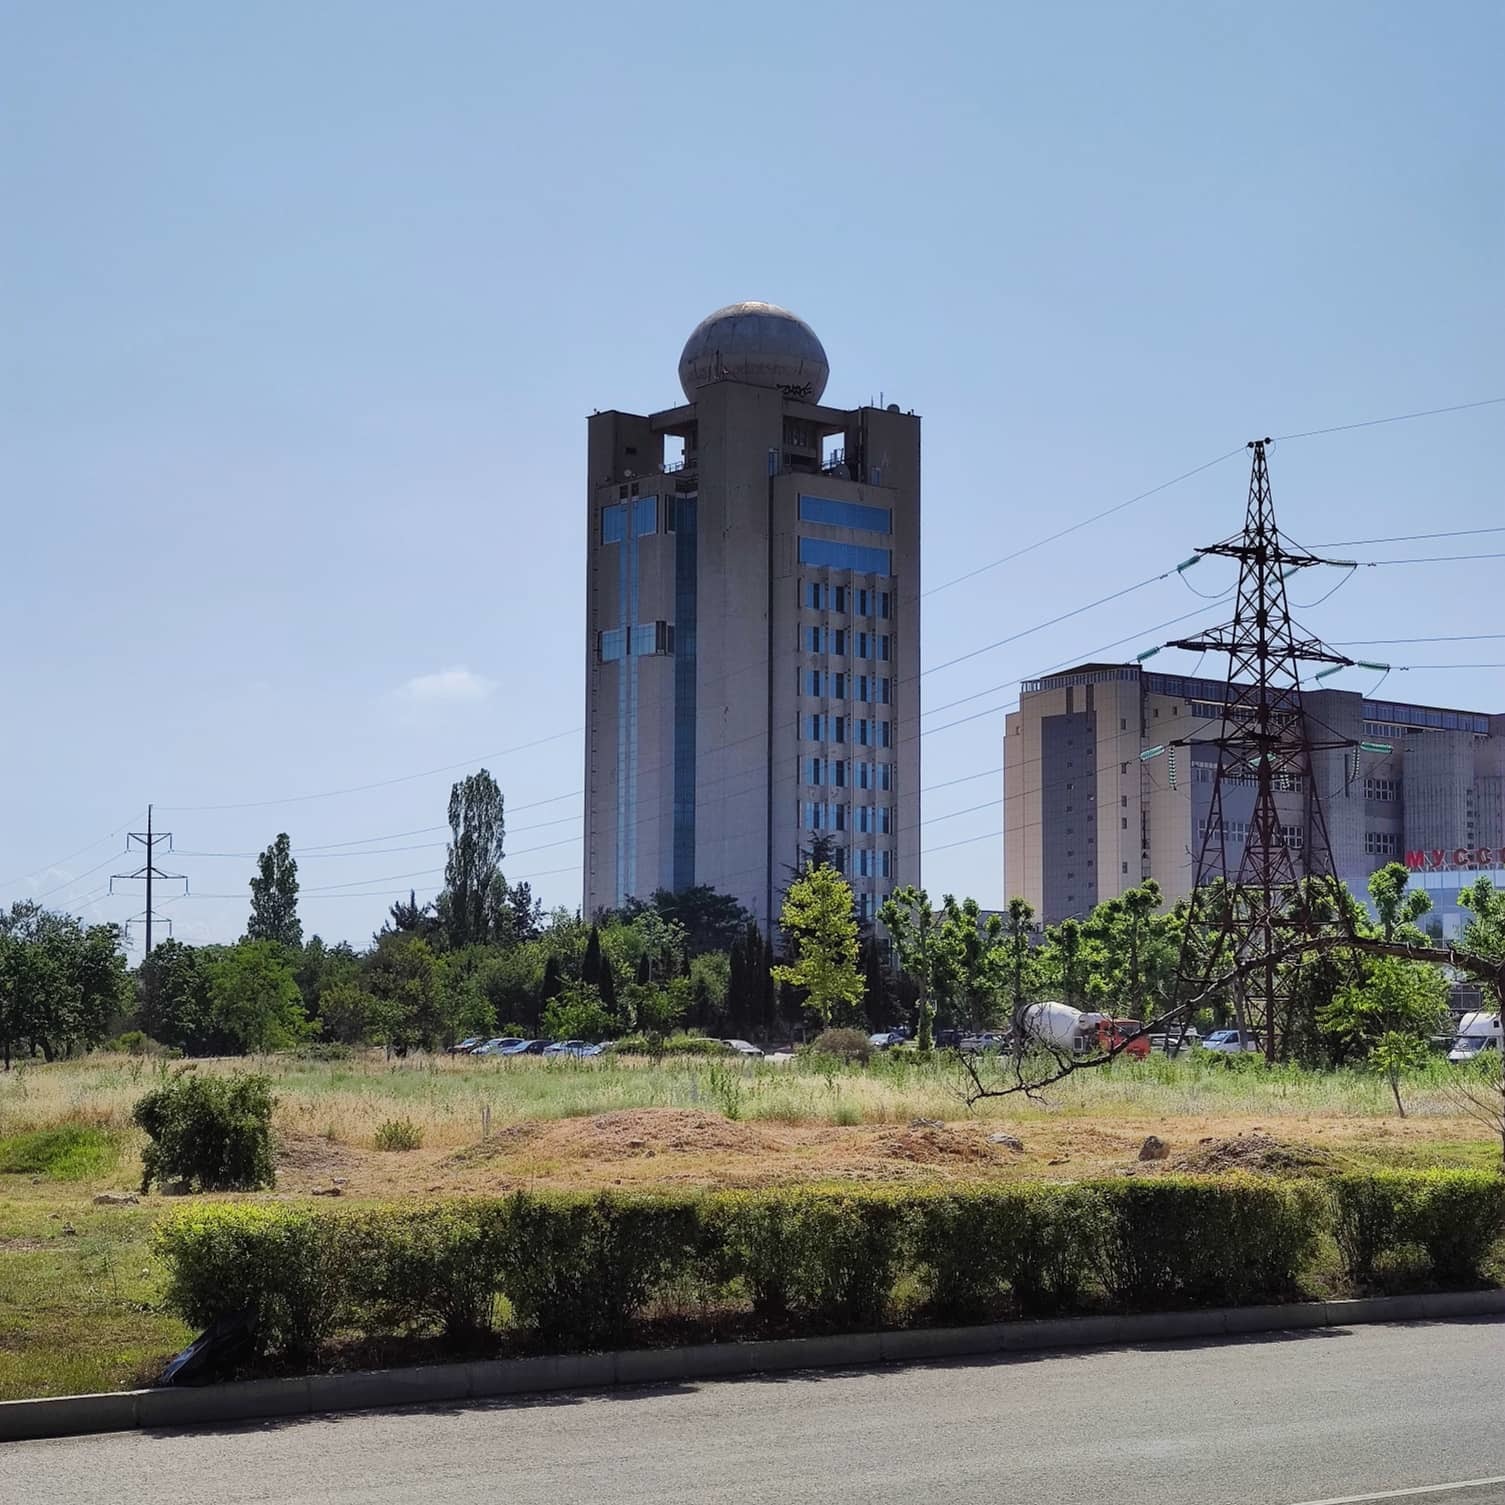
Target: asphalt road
{"x": 1323, "y": 1415}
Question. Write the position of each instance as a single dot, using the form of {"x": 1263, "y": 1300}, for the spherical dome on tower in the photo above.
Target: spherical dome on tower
{"x": 758, "y": 343}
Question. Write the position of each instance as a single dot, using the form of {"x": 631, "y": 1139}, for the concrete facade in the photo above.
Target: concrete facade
{"x": 752, "y": 641}
{"x": 1085, "y": 819}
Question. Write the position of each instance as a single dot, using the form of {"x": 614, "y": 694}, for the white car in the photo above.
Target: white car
{"x": 1231, "y": 1042}
{"x": 743, "y": 1048}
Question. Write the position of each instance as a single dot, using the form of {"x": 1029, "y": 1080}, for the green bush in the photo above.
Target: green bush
{"x": 844, "y": 1044}
{"x": 675, "y": 1045}
{"x": 212, "y": 1133}
{"x": 438, "y": 1265}
{"x": 579, "y": 1270}
{"x": 985, "y": 1248}
{"x": 134, "y": 1042}
{"x": 827, "y": 1256}
{"x": 399, "y": 1134}
{"x": 1455, "y": 1217}
{"x": 1204, "y": 1240}
{"x": 287, "y": 1264}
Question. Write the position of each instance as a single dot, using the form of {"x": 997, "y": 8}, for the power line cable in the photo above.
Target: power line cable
{"x": 407, "y": 778}
{"x": 1040, "y": 543}
{"x": 1354, "y": 543}
{"x": 1369, "y": 423}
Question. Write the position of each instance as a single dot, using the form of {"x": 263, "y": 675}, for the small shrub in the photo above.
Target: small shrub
{"x": 675, "y": 1045}
{"x": 1371, "y": 1213}
{"x": 844, "y": 1044}
{"x": 72, "y": 1152}
{"x": 287, "y": 1265}
{"x": 724, "y": 1084}
{"x": 134, "y": 1042}
{"x": 326, "y": 1050}
{"x": 1460, "y": 1216}
{"x": 1204, "y": 1240}
{"x": 212, "y": 1133}
{"x": 399, "y": 1134}
{"x": 579, "y": 1270}
{"x": 1382, "y": 1219}
{"x": 827, "y": 1256}
{"x": 413, "y": 1269}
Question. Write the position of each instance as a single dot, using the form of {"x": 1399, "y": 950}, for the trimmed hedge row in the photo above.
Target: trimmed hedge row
{"x": 581, "y": 1270}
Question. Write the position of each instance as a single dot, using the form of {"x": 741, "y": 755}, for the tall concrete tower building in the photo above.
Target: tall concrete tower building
{"x": 752, "y": 628}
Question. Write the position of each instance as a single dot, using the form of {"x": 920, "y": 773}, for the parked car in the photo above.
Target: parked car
{"x": 575, "y": 1048}
{"x": 743, "y": 1048}
{"x": 1166, "y": 1043}
{"x": 525, "y": 1048}
{"x": 884, "y": 1039}
{"x": 1231, "y": 1042}
{"x": 498, "y": 1047}
{"x": 987, "y": 1040}
{"x": 948, "y": 1038}
{"x": 465, "y": 1047}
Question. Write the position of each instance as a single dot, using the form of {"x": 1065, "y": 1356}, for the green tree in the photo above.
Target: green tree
{"x": 973, "y": 956}
{"x": 403, "y": 972}
{"x": 819, "y": 921}
{"x": 907, "y": 916}
{"x": 658, "y": 1008}
{"x": 254, "y": 1001}
{"x": 351, "y": 1015}
{"x": 710, "y": 982}
{"x": 465, "y": 1009}
{"x": 1068, "y": 960}
{"x": 1398, "y": 910}
{"x": 1390, "y": 1015}
{"x": 750, "y": 996}
{"x": 879, "y": 988}
{"x": 576, "y": 1013}
{"x": 274, "y": 897}
{"x": 1484, "y": 933}
{"x": 1138, "y": 950}
{"x": 478, "y": 830}
{"x": 1018, "y": 960}
{"x": 61, "y": 984}
{"x": 320, "y": 967}
{"x": 710, "y": 921}
{"x": 173, "y": 989}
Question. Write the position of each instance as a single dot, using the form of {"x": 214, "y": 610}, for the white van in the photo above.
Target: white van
{"x": 1476, "y": 1032}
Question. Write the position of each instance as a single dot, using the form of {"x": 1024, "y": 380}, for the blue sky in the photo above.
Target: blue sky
{"x": 304, "y": 308}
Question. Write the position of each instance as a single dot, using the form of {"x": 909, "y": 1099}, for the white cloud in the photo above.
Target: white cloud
{"x": 447, "y": 687}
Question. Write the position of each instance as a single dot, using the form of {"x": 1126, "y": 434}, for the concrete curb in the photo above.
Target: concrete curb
{"x": 436, "y": 1384}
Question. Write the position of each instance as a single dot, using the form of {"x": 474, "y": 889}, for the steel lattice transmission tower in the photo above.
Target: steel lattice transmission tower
{"x": 150, "y": 874}
{"x": 1264, "y": 744}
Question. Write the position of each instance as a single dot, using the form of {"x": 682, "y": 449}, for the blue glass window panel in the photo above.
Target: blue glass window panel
{"x": 645, "y": 515}
{"x": 612, "y": 644}
{"x": 643, "y": 638}
{"x": 834, "y": 514}
{"x": 846, "y": 556}
{"x": 613, "y": 523}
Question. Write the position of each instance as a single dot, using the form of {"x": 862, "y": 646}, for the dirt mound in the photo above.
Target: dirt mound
{"x": 931, "y": 1142}
{"x": 1254, "y": 1152}
{"x": 501, "y": 1141}
{"x": 628, "y": 1132}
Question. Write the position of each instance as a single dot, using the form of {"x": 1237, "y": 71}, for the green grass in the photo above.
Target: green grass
{"x": 79, "y": 1301}
{"x": 70, "y": 1152}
